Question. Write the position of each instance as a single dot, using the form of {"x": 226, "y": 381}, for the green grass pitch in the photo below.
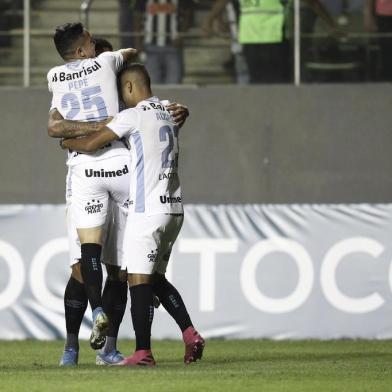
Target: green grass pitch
{"x": 227, "y": 365}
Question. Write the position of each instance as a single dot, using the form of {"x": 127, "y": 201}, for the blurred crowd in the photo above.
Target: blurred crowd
{"x": 262, "y": 38}
{"x": 10, "y": 17}
{"x": 261, "y": 34}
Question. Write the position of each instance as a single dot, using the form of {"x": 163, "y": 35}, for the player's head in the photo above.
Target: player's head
{"x": 102, "y": 45}
{"x": 135, "y": 84}
{"x": 73, "y": 41}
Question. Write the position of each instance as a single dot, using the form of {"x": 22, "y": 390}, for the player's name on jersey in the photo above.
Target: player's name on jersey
{"x": 167, "y": 176}
{"x": 106, "y": 173}
{"x": 163, "y": 116}
{"x": 64, "y": 76}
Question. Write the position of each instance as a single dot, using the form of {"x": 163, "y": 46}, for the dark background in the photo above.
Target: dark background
{"x": 260, "y": 144}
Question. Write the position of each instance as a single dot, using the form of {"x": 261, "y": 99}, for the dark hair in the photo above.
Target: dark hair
{"x": 102, "y": 45}
{"x": 65, "y": 36}
{"x": 138, "y": 68}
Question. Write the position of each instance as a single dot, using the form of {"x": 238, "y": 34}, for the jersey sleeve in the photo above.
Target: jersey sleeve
{"x": 114, "y": 59}
{"x": 52, "y": 105}
{"x": 124, "y": 123}
{"x": 49, "y": 79}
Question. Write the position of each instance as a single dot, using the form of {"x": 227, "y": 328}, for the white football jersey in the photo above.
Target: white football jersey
{"x": 86, "y": 90}
{"x": 153, "y": 136}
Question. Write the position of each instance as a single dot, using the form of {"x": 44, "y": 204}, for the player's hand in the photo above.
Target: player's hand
{"x": 61, "y": 144}
{"x": 133, "y": 52}
{"x": 178, "y": 112}
{"x": 129, "y": 54}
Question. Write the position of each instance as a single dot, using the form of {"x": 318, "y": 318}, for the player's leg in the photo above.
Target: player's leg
{"x": 116, "y": 288}
{"x": 114, "y": 299}
{"x": 89, "y": 210}
{"x": 75, "y": 304}
{"x": 115, "y": 292}
{"x": 171, "y": 299}
{"x": 141, "y": 243}
{"x": 75, "y": 299}
{"x": 91, "y": 269}
{"x": 142, "y": 313}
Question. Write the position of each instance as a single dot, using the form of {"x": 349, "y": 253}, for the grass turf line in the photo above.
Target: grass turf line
{"x": 227, "y": 365}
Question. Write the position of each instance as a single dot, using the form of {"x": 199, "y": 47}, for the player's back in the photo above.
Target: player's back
{"x": 86, "y": 90}
{"x": 153, "y": 135}
{"x": 159, "y": 137}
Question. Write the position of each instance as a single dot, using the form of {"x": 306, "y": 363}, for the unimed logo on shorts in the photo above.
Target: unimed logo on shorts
{"x": 93, "y": 206}
{"x": 170, "y": 200}
{"x": 106, "y": 173}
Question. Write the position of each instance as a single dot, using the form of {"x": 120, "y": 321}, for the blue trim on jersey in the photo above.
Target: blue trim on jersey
{"x": 140, "y": 196}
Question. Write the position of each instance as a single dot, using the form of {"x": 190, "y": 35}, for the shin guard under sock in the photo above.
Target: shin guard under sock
{"x": 142, "y": 312}
{"x": 114, "y": 300}
{"x": 172, "y": 301}
{"x": 91, "y": 269}
{"x": 75, "y": 304}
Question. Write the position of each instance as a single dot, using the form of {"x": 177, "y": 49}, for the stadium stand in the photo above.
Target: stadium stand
{"x": 203, "y": 58}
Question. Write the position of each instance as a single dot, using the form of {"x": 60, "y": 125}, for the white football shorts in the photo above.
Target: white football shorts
{"x": 148, "y": 242}
{"x": 113, "y": 236}
{"x": 92, "y": 185}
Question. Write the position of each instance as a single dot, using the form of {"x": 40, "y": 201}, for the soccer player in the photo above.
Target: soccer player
{"x": 102, "y": 45}
{"x": 115, "y": 291}
{"x": 84, "y": 88}
{"x": 155, "y": 214}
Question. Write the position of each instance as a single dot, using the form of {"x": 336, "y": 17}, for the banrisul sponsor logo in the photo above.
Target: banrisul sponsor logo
{"x": 170, "y": 200}
{"x": 106, "y": 173}
{"x": 64, "y": 76}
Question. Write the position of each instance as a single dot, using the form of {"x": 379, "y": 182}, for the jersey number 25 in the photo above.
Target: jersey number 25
{"x": 90, "y": 98}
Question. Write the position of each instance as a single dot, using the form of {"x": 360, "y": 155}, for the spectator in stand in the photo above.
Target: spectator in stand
{"x": 162, "y": 44}
{"x": 265, "y": 29}
{"x": 261, "y": 38}
{"x": 10, "y": 17}
{"x": 125, "y": 22}
{"x": 378, "y": 17}
{"x": 310, "y": 10}
{"x": 232, "y": 10}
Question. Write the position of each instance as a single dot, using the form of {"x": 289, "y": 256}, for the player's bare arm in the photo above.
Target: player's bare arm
{"x": 90, "y": 143}
{"x": 58, "y": 127}
{"x": 179, "y": 113}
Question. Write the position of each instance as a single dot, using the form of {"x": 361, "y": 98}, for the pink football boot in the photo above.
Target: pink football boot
{"x": 194, "y": 345}
{"x": 139, "y": 358}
